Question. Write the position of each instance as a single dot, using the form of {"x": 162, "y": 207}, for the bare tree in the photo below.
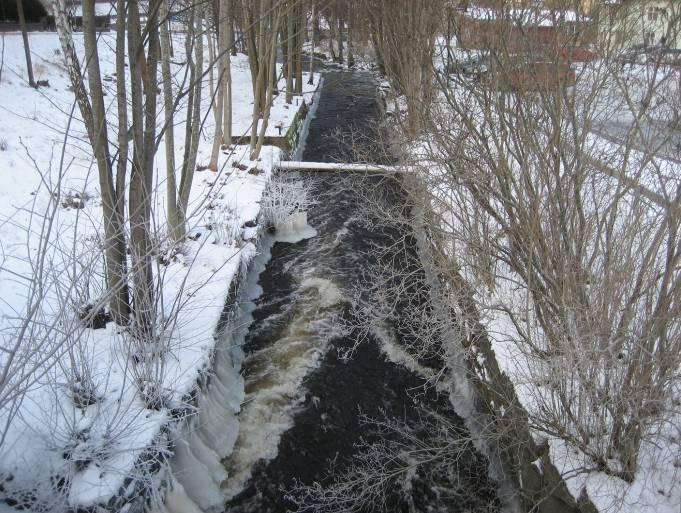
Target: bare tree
{"x": 122, "y": 108}
{"x": 313, "y": 38}
{"x": 143, "y": 85}
{"x": 574, "y": 239}
{"x": 269, "y": 51}
{"x": 95, "y": 122}
{"x": 224, "y": 48}
{"x": 404, "y": 37}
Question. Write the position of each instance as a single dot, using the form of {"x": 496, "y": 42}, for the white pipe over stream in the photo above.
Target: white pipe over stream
{"x": 293, "y": 165}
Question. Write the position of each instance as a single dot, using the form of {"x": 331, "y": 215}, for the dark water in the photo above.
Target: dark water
{"x": 307, "y": 288}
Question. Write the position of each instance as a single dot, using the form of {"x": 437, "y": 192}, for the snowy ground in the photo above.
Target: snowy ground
{"x": 49, "y": 205}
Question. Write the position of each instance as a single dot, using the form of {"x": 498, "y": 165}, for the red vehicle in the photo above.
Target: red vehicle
{"x": 532, "y": 76}
{"x": 577, "y": 54}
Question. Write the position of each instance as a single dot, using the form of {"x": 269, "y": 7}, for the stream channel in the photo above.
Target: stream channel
{"x": 303, "y": 402}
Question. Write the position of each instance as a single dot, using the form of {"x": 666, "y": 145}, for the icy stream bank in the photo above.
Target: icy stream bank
{"x": 202, "y": 441}
{"x": 196, "y": 473}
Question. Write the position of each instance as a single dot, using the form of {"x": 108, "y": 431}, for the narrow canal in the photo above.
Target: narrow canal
{"x": 303, "y": 402}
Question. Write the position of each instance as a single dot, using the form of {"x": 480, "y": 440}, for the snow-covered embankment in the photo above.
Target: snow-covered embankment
{"x": 111, "y": 452}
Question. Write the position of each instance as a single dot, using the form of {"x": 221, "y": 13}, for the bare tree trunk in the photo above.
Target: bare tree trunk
{"x": 340, "y": 40}
{"x": 260, "y": 84}
{"x": 122, "y": 108}
{"x": 227, "y": 17}
{"x": 169, "y": 131}
{"x": 210, "y": 41}
{"x": 313, "y": 33}
{"x": 290, "y": 45}
{"x": 274, "y": 77}
{"x": 114, "y": 239}
{"x": 351, "y": 56}
{"x": 301, "y": 21}
{"x": 217, "y": 97}
{"x": 332, "y": 32}
{"x": 250, "y": 36}
{"x": 284, "y": 45}
{"x": 234, "y": 30}
{"x": 143, "y": 73}
{"x": 217, "y": 138}
{"x": 193, "y": 118}
{"x": 262, "y": 63}
{"x": 27, "y": 48}
{"x": 270, "y": 54}
{"x": 315, "y": 22}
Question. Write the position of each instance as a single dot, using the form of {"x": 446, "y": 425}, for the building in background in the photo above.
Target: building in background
{"x": 39, "y": 16}
{"x": 640, "y": 23}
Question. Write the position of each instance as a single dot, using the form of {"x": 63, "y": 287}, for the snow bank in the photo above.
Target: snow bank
{"x": 55, "y": 456}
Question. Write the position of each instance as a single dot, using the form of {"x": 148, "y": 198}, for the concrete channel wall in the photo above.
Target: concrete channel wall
{"x": 538, "y": 484}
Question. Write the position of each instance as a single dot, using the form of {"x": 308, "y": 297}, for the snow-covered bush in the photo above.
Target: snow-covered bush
{"x": 286, "y": 195}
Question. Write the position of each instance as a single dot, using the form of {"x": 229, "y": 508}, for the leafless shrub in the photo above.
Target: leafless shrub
{"x": 285, "y": 196}
{"x": 431, "y": 458}
{"x": 575, "y": 241}
{"x": 75, "y": 199}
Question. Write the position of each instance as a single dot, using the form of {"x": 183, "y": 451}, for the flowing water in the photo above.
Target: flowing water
{"x": 303, "y": 402}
